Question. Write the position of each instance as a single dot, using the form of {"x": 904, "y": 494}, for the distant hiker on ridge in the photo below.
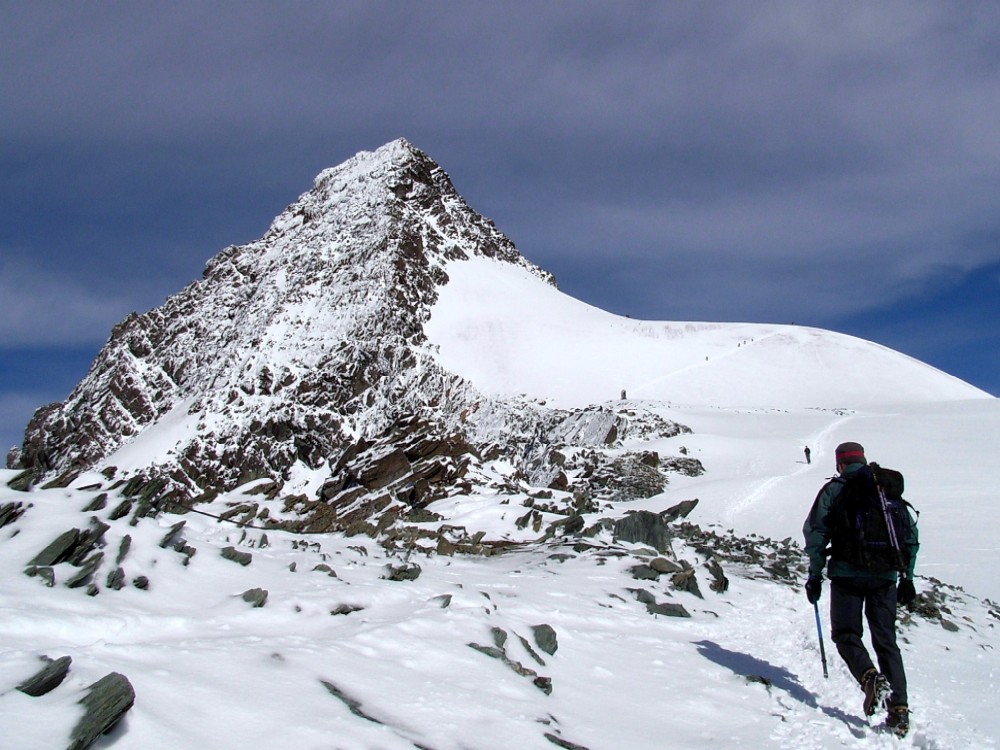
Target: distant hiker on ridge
{"x": 808, "y": 455}
{"x": 872, "y": 536}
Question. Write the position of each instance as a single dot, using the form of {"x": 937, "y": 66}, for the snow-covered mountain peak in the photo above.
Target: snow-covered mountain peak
{"x": 289, "y": 347}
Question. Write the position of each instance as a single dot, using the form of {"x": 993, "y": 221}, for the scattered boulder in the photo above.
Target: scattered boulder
{"x": 681, "y": 510}
{"x": 443, "y": 600}
{"x": 10, "y": 512}
{"x": 106, "y": 702}
{"x": 98, "y": 503}
{"x": 59, "y": 550}
{"x": 116, "y": 579}
{"x": 644, "y": 573}
{"x": 123, "y": 548}
{"x": 685, "y": 580}
{"x": 643, "y": 527}
{"x": 87, "y": 571}
{"x": 345, "y": 609}
{"x": 719, "y": 584}
{"x": 256, "y": 597}
{"x": 545, "y": 638}
{"x": 48, "y": 679}
{"x": 25, "y": 480}
{"x": 172, "y": 537}
{"x": 691, "y": 467}
{"x": 231, "y": 553}
{"x": 405, "y": 572}
{"x": 565, "y": 744}
{"x": 499, "y": 652}
{"x": 42, "y": 571}
{"x": 668, "y": 609}
{"x": 663, "y": 565}
{"x": 121, "y": 510}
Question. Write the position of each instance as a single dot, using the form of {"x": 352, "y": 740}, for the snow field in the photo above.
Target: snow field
{"x": 209, "y": 668}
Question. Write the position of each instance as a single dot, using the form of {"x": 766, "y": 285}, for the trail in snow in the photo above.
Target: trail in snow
{"x": 766, "y": 488}
{"x": 653, "y": 385}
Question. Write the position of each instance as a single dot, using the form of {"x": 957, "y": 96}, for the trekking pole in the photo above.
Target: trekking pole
{"x": 822, "y": 648}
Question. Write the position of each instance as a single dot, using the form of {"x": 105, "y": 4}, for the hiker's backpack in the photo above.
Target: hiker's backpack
{"x": 870, "y": 522}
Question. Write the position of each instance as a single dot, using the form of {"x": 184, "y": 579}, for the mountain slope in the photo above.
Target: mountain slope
{"x": 498, "y": 327}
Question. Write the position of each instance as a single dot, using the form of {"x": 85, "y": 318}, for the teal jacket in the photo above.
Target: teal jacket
{"x": 817, "y": 537}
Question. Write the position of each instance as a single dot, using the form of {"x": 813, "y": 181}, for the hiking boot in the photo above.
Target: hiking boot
{"x": 898, "y": 720}
{"x": 876, "y": 689}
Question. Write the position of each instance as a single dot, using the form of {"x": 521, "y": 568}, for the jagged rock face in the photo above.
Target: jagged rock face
{"x": 292, "y": 346}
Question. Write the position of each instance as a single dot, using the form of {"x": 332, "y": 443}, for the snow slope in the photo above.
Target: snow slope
{"x": 209, "y": 670}
{"x": 510, "y": 333}
{"x": 755, "y": 396}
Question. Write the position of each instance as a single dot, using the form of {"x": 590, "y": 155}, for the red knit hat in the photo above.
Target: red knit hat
{"x": 850, "y": 453}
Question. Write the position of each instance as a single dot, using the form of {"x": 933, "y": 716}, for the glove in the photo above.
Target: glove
{"x": 905, "y": 593}
{"x": 814, "y": 589}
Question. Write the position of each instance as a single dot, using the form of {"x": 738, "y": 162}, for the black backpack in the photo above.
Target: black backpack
{"x": 870, "y": 521}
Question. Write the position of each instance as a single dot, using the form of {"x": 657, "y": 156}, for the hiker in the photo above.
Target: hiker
{"x": 860, "y": 584}
{"x": 808, "y": 455}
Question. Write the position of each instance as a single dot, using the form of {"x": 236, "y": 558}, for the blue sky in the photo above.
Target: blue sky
{"x": 828, "y": 164}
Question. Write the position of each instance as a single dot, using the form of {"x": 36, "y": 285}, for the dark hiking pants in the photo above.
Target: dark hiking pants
{"x": 876, "y": 598}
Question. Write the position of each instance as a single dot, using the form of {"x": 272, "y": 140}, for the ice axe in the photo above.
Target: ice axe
{"x": 819, "y": 632}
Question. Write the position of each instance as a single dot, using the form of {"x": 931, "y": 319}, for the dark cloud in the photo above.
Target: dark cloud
{"x": 782, "y": 161}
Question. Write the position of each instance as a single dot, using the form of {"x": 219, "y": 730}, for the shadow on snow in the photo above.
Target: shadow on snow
{"x": 758, "y": 670}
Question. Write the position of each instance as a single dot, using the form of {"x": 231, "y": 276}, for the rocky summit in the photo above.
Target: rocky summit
{"x": 301, "y": 359}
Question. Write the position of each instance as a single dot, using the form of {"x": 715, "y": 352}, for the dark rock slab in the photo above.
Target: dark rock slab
{"x": 25, "y": 480}
{"x": 353, "y": 704}
{"x": 106, "y": 702}
{"x": 681, "y": 510}
{"x": 116, "y": 579}
{"x": 545, "y": 638}
{"x": 231, "y": 553}
{"x": 563, "y": 743}
{"x": 42, "y": 571}
{"x": 345, "y": 609}
{"x": 123, "y": 548}
{"x": 58, "y": 550}
{"x": 644, "y": 527}
{"x": 407, "y": 572}
{"x": 87, "y": 570}
{"x": 48, "y": 679}
{"x": 643, "y": 573}
{"x": 121, "y": 510}
{"x": 98, "y": 503}
{"x": 667, "y": 609}
{"x": 256, "y": 597}
{"x": 10, "y": 512}
{"x": 173, "y": 536}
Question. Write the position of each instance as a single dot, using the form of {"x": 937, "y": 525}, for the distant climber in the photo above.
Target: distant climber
{"x": 861, "y": 522}
{"x": 808, "y": 455}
